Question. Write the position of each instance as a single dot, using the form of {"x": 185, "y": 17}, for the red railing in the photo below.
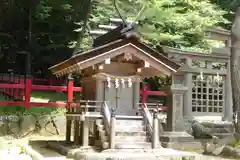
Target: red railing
{"x": 145, "y": 92}
{"x": 18, "y": 91}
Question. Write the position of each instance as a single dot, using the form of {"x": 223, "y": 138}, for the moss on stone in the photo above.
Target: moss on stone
{"x": 235, "y": 143}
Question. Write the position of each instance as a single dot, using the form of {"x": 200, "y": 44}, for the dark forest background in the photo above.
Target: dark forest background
{"x": 53, "y": 30}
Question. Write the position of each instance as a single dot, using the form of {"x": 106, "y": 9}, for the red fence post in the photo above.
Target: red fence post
{"x": 144, "y": 93}
{"x": 28, "y": 90}
{"x": 70, "y": 90}
{"x": 70, "y": 86}
{"x": 21, "y": 91}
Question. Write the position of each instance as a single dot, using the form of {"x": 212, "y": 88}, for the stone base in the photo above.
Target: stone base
{"x": 179, "y": 141}
{"x": 69, "y": 149}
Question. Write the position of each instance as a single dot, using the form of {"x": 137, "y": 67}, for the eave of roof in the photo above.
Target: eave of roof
{"x": 107, "y": 47}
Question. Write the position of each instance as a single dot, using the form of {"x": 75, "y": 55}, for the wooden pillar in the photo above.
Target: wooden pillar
{"x": 76, "y": 131}
{"x": 112, "y": 130}
{"x": 16, "y": 92}
{"x": 21, "y": 90}
{"x": 155, "y": 133}
{"x": 69, "y": 100}
{"x": 11, "y": 81}
{"x": 28, "y": 90}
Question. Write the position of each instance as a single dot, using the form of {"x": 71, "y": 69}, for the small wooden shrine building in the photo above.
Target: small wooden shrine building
{"x": 113, "y": 69}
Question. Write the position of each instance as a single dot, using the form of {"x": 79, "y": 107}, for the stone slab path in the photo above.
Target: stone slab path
{"x": 37, "y": 144}
{"x": 158, "y": 154}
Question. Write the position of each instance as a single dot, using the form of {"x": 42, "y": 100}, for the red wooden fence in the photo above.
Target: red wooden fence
{"x": 19, "y": 89}
{"x": 145, "y": 92}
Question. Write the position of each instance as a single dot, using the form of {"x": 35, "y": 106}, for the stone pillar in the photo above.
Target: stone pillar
{"x": 228, "y": 110}
{"x": 175, "y": 108}
{"x": 85, "y": 134}
{"x": 112, "y": 130}
{"x": 187, "y": 108}
{"x": 175, "y": 135}
{"x": 155, "y": 133}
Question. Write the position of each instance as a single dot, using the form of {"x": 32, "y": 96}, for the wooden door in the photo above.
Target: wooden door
{"x": 125, "y": 101}
{"x": 120, "y": 99}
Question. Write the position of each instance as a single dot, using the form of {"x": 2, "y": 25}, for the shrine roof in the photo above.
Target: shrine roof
{"x": 100, "y": 50}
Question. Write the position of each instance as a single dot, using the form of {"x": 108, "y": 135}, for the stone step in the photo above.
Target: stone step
{"x": 125, "y": 128}
{"x": 131, "y": 133}
{"x": 135, "y": 145}
{"x": 130, "y": 122}
{"x": 131, "y": 139}
{"x": 127, "y": 138}
{"x": 130, "y": 128}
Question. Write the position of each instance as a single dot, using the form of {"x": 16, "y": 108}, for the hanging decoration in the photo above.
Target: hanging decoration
{"x": 146, "y": 64}
{"x": 100, "y": 67}
{"x": 201, "y": 76}
{"x": 119, "y": 81}
{"x": 123, "y": 82}
{"x": 109, "y": 82}
{"x": 116, "y": 83}
{"x": 129, "y": 82}
{"x": 108, "y": 61}
{"x": 139, "y": 70}
{"x": 218, "y": 78}
{"x": 212, "y": 80}
{"x": 127, "y": 56}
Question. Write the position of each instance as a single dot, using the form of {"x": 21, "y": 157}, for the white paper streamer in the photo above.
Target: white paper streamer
{"x": 109, "y": 82}
{"x": 129, "y": 82}
{"x": 116, "y": 83}
{"x": 123, "y": 82}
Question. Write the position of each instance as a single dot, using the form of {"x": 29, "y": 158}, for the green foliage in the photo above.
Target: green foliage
{"x": 59, "y": 27}
{"x": 177, "y": 23}
{"x": 235, "y": 143}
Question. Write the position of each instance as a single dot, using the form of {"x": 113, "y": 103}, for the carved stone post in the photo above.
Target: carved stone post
{"x": 175, "y": 135}
{"x": 112, "y": 129}
{"x": 175, "y": 108}
{"x": 155, "y": 133}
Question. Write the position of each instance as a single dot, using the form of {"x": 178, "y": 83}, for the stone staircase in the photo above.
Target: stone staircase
{"x": 130, "y": 134}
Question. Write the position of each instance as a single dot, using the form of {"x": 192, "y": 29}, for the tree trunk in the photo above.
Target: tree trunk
{"x": 235, "y": 69}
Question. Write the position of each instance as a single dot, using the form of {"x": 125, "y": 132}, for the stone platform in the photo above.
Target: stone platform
{"x": 180, "y": 141}
{"x": 91, "y": 153}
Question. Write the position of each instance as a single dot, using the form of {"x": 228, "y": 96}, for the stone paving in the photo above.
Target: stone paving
{"x": 157, "y": 154}
{"x": 124, "y": 154}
